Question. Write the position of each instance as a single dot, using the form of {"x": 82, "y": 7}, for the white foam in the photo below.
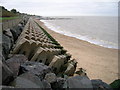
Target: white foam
{"x": 87, "y": 38}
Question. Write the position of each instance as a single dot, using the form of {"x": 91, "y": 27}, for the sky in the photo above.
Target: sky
{"x": 63, "y": 7}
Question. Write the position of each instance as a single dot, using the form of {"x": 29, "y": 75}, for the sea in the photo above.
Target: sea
{"x": 98, "y": 30}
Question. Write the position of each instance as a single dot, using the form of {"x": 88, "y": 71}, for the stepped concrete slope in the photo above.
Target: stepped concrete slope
{"x": 32, "y": 58}
{"x": 37, "y": 46}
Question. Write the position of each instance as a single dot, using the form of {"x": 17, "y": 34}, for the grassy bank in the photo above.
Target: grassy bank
{"x": 3, "y": 19}
{"x": 8, "y": 18}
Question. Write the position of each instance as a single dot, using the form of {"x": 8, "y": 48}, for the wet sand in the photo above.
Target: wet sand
{"x": 99, "y": 62}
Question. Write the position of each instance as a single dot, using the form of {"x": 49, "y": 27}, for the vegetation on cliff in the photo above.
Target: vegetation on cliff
{"x": 7, "y": 13}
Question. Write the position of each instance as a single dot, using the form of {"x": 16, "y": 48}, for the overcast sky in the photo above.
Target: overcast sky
{"x": 63, "y": 7}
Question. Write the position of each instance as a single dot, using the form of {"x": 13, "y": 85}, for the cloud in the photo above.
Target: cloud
{"x": 58, "y": 1}
{"x": 63, "y": 7}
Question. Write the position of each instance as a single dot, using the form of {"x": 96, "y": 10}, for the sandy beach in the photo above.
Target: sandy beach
{"x": 99, "y": 62}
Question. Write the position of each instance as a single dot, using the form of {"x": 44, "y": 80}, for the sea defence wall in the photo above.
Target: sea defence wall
{"x": 11, "y": 29}
{"x": 36, "y": 46}
{"x": 34, "y": 59}
{"x": 13, "y": 22}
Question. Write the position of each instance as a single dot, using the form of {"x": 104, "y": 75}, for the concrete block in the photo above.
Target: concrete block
{"x": 56, "y": 63}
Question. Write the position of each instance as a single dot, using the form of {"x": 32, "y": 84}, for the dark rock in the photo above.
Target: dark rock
{"x": 27, "y": 80}
{"x": 8, "y": 33}
{"x": 3, "y": 87}
{"x": 60, "y": 82}
{"x": 15, "y": 62}
{"x": 22, "y": 23}
{"x": 7, "y": 74}
{"x": 79, "y": 82}
{"x": 21, "y": 26}
{"x": 14, "y": 33}
{"x": 3, "y": 59}
{"x": 6, "y": 45}
{"x": 1, "y": 56}
{"x": 39, "y": 69}
{"x": 0, "y": 72}
{"x": 50, "y": 77}
{"x": 99, "y": 85}
{"x": 6, "y": 87}
{"x": 10, "y": 55}
{"x": 46, "y": 84}
{"x": 19, "y": 29}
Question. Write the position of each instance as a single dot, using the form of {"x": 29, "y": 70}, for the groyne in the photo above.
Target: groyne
{"x": 32, "y": 58}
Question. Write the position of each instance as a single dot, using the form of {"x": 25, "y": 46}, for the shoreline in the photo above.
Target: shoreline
{"x": 92, "y": 40}
{"x": 99, "y": 62}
